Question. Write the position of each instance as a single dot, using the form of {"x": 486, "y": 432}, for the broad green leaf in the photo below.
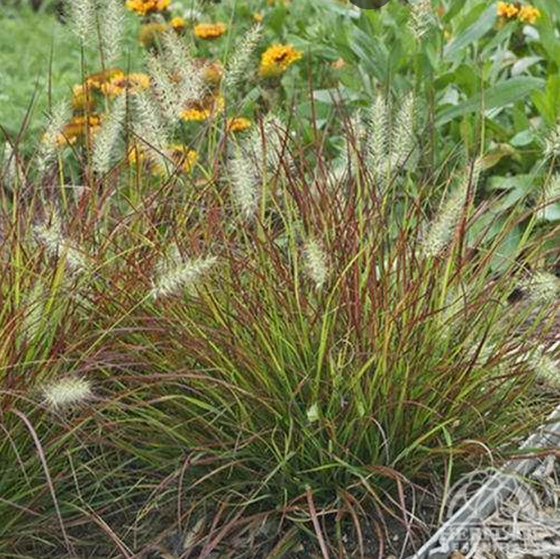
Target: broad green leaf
{"x": 499, "y": 95}
{"x": 472, "y": 33}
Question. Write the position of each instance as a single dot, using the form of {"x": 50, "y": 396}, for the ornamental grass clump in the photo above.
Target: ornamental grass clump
{"x": 325, "y": 376}
{"x": 45, "y": 342}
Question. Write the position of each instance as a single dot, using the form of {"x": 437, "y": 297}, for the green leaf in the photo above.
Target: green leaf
{"x": 522, "y": 182}
{"x": 523, "y": 138}
{"x": 499, "y": 95}
{"x": 472, "y": 33}
{"x": 506, "y": 251}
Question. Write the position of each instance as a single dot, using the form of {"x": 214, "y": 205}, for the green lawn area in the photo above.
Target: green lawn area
{"x": 35, "y": 49}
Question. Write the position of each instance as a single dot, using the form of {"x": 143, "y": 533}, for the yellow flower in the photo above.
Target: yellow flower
{"x": 238, "y": 124}
{"x": 258, "y": 17}
{"x": 528, "y": 14}
{"x": 209, "y": 30}
{"x": 79, "y": 127}
{"x": 276, "y": 59}
{"x": 183, "y": 157}
{"x": 135, "y": 156}
{"x": 178, "y": 23}
{"x": 212, "y": 73}
{"x": 180, "y": 155}
{"x": 202, "y": 110}
{"x": 146, "y": 7}
{"x": 507, "y": 10}
{"x": 82, "y": 99}
{"x": 96, "y": 81}
{"x": 133, "y": 83}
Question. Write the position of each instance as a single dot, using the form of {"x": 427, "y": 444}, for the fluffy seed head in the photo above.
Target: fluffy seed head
{"x": 550, "y": 197}
{"x": 181, "y": 64}
{"x": 192, "y": 14}
{"x": 421, "y": 17}
{"x": 33, "y": 304}
{"x": 82, "y": 18}
{"x": 552, "y": 143}
{"x": 402, "y": 138}
{"x": 315, "y": 260}
{"x": 353, "y": 142}
{"x": 53, "y": 132}
{"x": 455, "y": 302}
{"x": 545, "y": 366}
{"x": 378, "y": 129}
{"x": 10, "y": 170}
{"x": 107, "y": 136}
{"x": 67, "y": 392}
{"x": 266, "y": 143}
{"x": 151, "y": 129}
{"x": 240, "y": 61}
{"x": 174, "y": 274}
{"x": 164, "y": 87}
{"x": 50, "y": 235}
{"x": 442, "y": 228}
{"x": 542, "y": 287}
{"x": 245, "y": 184}
{"x": 111, "y": 28}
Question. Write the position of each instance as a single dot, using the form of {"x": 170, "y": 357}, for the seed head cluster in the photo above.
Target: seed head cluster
{"x": 545, "y": 366}
{"x": 67, "y": 392}
{"x": 542, "y": 287}
{"x": 173, "y": 274}
{"x": 50, "y": 235}
{"x": 315, "y": 260}
{"x": 440, "y": 232}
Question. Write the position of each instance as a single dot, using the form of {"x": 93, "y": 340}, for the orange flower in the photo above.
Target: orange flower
{"x": 276, "y": 59}
{"x": 178, "y": 23}
{"x": 79, "y": 127}
{"x": 146, "y": 7}
{"x": 136, "y": 156}
{"x": 238, "y": 124}
{"x": 209, "y": 30}
{"x": 202, "y": 110}
{"x": 183, "y": 157}
{"x": 95, "y": 81}
{"x": 82, "y": 99}
{"x": 507, "y": 10}
{"x": 528, "y": 14}
{"x": 213, "y": 73}
{"x": 133, "y": 83}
